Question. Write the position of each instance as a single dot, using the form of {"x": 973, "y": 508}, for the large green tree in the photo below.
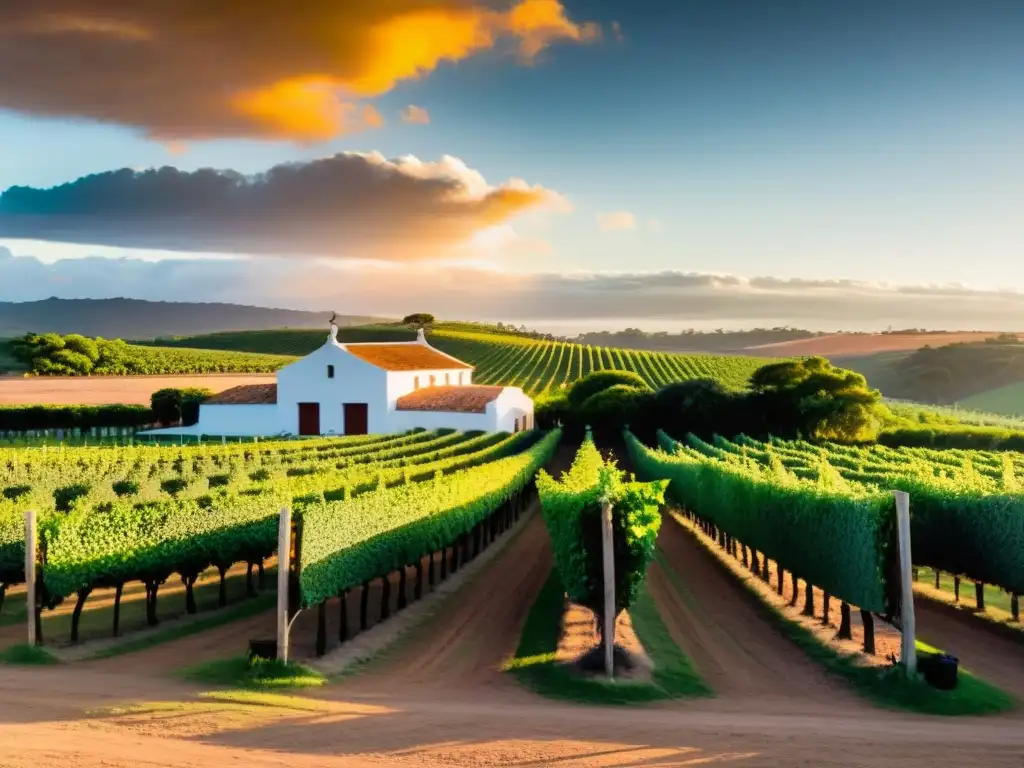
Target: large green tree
{"x": 50, "y": 353}
{"x": 816, "y": 400}
{"x": 419, "y": 319}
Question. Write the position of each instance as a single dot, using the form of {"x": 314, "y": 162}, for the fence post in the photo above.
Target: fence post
{"x": 608, "y": 553}
{"x": 284, "y": 551}
{"x": 31, "y": 539}
{"x": 907, "y": 623}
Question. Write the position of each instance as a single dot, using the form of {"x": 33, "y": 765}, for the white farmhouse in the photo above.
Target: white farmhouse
{"x": 355, "y": 389}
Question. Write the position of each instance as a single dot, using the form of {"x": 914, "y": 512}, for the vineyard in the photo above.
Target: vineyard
{"x": 116, "y": 358}
{"x": 140, "y": 360}
{"x": 535, "y": 365}
{"x": 825, "y": 512}
{"x": 109, "y": 516}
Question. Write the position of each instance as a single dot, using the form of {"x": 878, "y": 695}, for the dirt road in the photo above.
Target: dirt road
{"x": 42, "y": 723}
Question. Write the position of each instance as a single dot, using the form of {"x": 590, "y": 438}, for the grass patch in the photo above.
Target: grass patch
{"x": 886, "y": 686}
{"x": 28, "y": 655}
{"x": 250, "y": 607}
{"x": 995, "y": 598}
{"x": 257, "y": 674}
{"x": 997, "y": 616}
{"x": 535, "y": 667}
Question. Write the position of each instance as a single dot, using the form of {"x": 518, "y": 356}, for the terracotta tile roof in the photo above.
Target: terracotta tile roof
{"x": 246, "y": 394}
{"x": 469, "y": 399}
{"x": 404, "y": 357}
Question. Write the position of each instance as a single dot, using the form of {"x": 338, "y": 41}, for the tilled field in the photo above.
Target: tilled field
{"x": 105, "y": 390}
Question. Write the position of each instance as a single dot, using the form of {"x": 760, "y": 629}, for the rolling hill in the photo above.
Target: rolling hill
{"x": 982, "y": 375}
{"x": 135, "y": 319}
{"x": 837, "y": 346}
{"x": 536, "y": 365}
{"x": 1007, "y": 400}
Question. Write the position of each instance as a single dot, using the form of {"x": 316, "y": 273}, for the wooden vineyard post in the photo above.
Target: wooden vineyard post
{"x": 31, "y": 539}
{"x": 908, "y": 650}
{"x": 608, "y": 553}
{"x": 284, "y": 552}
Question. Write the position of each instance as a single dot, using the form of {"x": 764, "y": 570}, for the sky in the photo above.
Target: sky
{"x": 575, "y": 164}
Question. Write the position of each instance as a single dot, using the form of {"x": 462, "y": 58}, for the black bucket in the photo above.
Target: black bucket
{"x": 262, "y": 649}
{"x": 939, "y": 670}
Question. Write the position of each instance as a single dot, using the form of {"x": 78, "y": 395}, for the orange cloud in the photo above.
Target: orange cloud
{"x": 351, "y": 205}
{"x": 415, "y": 115}
{"x": 253, "y": 70}
{"x": 537, "y": 23}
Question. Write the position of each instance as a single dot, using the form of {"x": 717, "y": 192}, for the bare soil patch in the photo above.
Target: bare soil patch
{"x": 852, "y": 345}
{"x": 580, "y": 635}
{"x": 382, "y": 635}
{"x": 825, "y": 626}
{"x": 106, "y": 390}
{"x": 466, "y": 645}
{"x": 43, "y": 722}
{"x": 739, "y": 654}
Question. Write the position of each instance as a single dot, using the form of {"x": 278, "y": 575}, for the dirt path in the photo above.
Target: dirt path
{"x": 994, "y": 658}
{"x": 734, "y": 649}
{"x": 464, "y": 646}
{"x": 42, "y": 723}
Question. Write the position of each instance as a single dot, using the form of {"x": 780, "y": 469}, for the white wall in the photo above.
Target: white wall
{"x": 234, "y": 420}
{"x": 355, "y": 381}
{"x": 464, "y": 422}
{"x": 511, "y": 404}
{"x": 403, "y": 382}
{"x": 500, "y": 416}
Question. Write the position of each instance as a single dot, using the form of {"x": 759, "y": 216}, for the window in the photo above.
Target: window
{"x": 447, "y": 381}
{"x": 330, "y": 371}
{"x": 516, "y": 427}
{"x": 432, "y": 380}
{"x": 460, "y": 379}
{"x": 416, "y": 382}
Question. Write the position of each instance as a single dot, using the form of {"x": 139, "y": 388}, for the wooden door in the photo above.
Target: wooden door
{"x": 356, "y": 418}
{"x": 309, "y": 418}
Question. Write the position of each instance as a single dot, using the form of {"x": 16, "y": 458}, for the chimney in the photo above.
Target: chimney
{"x": 421, "y": 337}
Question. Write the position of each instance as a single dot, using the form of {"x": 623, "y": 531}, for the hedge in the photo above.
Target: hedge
{"x": 21, "y": 418}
